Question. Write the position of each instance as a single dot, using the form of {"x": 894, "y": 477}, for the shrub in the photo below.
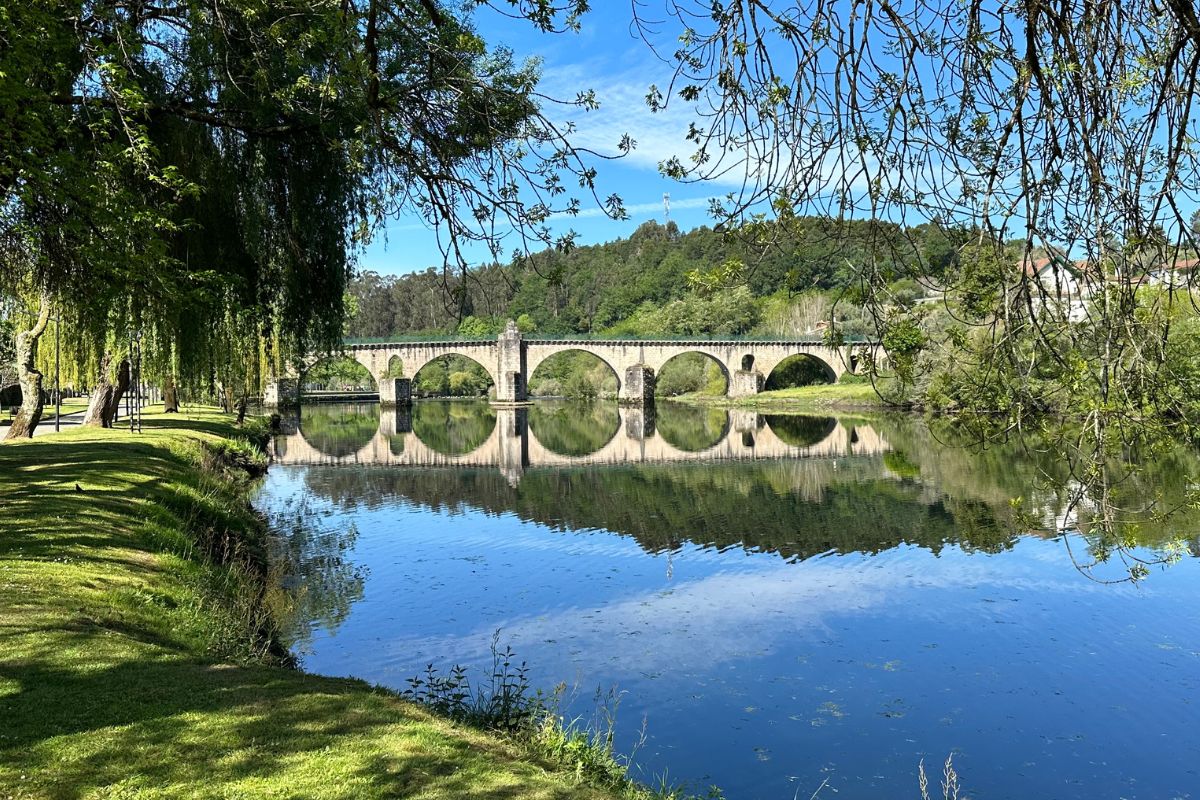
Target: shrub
{"x": 580, "y": 387}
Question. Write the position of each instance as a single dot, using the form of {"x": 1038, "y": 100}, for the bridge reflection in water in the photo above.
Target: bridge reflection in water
{"x": 512, "y": 445}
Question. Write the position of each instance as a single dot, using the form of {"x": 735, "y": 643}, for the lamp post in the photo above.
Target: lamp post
{"x": 57, "y": 384}
{"x": 135, "y": 380}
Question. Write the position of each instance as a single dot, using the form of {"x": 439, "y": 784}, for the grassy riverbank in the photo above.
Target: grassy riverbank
{"x": 136, "y": 660}
{"x": 821, "y": 397}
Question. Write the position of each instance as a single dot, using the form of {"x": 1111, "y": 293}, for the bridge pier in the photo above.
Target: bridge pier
{"x": 743, "y": 383}
{"x": 512, "y": 429}
{"x": 395, "y": 420}
{"x": 282, "y": 393}
{"x": 510, "y": 366}
{"x": 395, "y": 392}
{"x": 638, "y": 387}
{"x": 639, "y": 422}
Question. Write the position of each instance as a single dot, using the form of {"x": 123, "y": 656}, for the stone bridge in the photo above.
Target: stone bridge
{"x": 512, "y": 447}
{"x": 511, "y": 358}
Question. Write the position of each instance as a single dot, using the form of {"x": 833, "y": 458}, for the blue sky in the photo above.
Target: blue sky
{"x": 607, "y": 58}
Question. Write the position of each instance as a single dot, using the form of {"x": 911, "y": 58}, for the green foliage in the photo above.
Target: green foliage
{"x": 621, "y": 286}
{"x": 204, "y": 174}
{"x": 469, "y": 383}
{"x": 452, "y": 376}
{"x": 506, "y": 702}
{"x": 453, "y": 427}
{"x": 729, "y": 312}
{"x": 980, "y": 280}
{"x": 476, "y": 328}
{"x": 903, "y": 340}
{"x": 798, "y": 371}
{"x": 337, "y": 374}
{"x": 573, "y": 373}
{"x": 395, "y": 368}
{"x": 730, "y": 274}
{"x": 574, "y": 428}
{"x": 580, "y": 387}
{"x": 690, "y": 373}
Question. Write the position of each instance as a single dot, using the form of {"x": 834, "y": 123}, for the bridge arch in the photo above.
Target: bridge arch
{"x": 799, "y": 369}
{"x": 439, "y": 426}
{"x": 575, "y": 430}
{"x": 364, "y": 375}
{"x": 544, "y": 362}
{"x": 414, "y": 365}
{"x": 801, "y": 430}
{"x": 693, "y": 429}
{"x": 338, "y": 431}
{"x": 691, "y": 371}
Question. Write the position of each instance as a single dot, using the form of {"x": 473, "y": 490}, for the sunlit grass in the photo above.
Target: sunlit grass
{"x": 818, "y": 396}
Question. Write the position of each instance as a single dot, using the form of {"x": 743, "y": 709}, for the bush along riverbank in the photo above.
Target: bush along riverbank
{"x": 141, "y": 659}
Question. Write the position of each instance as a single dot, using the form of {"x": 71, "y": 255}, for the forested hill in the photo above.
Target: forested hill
{"x": 632, "y": 283}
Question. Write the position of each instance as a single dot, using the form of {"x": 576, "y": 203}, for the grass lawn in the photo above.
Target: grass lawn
{"x": 127, "y": 669}
{"x": 800, "y": 398}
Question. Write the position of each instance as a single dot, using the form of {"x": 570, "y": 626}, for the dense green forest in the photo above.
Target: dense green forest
{"x": 659, "y": 280}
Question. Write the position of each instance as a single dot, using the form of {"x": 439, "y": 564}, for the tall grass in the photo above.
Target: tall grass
{"x": 505, "y": 702}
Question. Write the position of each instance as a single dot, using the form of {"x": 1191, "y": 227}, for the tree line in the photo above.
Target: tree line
{"x": 659, "y": 280}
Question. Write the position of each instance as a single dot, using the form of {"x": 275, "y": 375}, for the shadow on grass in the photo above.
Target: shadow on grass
{"x": 219, "y": 427}
{"x": 62, "y": 496}
{"x": 178, "y": 723}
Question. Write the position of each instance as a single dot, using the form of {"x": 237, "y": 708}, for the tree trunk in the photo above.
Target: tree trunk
{"x": 106, "y": 397}
{"x": 241, "y": 410}
{"x": 31, "y": 380}
{"x": 170, "y": 396}
{"x": 100, "y": 395}
{"x": 114, "y": 403}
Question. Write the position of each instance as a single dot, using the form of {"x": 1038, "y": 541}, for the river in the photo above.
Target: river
{"x": 779, "y": 603}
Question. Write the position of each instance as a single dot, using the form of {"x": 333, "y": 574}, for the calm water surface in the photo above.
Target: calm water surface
{"x": 782, "y": 600}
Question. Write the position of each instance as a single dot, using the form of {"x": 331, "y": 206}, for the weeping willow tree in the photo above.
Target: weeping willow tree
{"x": 1051, "y": 141}
{"x": 195, "y": 175}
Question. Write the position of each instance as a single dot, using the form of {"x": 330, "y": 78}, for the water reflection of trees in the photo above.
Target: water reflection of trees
{"x": 934, "y": 487}
{"x": 1131, "y": 510}
{"x": 453, "y": 428}
{"x": 691, "y": 428}
{"x": 801, "y": 430}
{"x": 316, "y": 584}
{"x": 339, "y": 430}
{"x": 574, "y": 428}
{"x": 795, "y": 508}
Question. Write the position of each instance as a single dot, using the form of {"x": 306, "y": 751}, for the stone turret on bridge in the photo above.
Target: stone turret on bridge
{"x": 511, "y": 358}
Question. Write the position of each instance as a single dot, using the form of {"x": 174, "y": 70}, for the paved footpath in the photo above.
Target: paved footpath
{"x": 70, "y": 419}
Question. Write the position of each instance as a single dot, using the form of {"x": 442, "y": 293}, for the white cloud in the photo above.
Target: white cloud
{"x": 633, "y": 209}
{"x": 724, "y": 616}
{"x": 825, "y": 168}
{"x": 623, "y": 110}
